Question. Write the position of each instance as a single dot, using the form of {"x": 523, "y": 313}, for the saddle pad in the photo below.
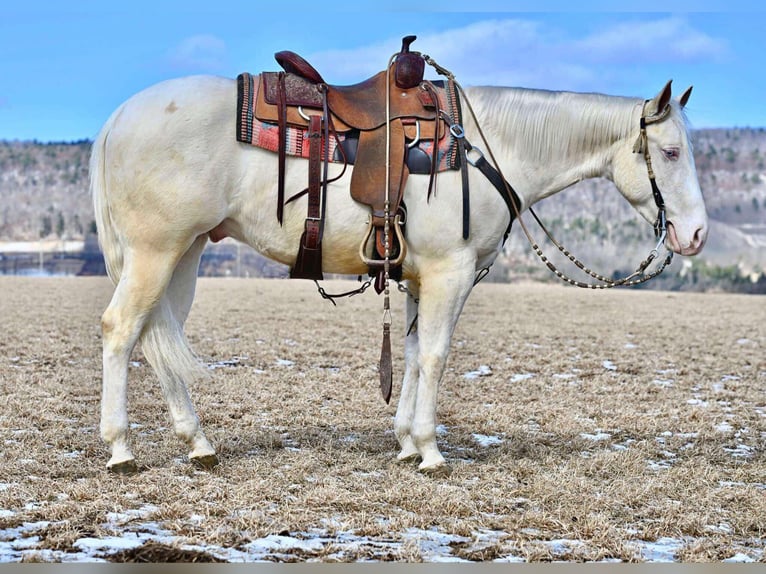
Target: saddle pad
{"x": 265, "y": 135}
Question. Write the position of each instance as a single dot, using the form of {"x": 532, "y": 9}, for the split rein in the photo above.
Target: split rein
{"x": 494, "y": 174}
{"x": 498, "y": 180}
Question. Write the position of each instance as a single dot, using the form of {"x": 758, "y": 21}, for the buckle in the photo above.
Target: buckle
{"x": 474, "y": 161}
{"x": 457, "y": 131}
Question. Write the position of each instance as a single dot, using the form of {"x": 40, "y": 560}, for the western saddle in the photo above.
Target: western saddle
{"x": 381, "y": 119}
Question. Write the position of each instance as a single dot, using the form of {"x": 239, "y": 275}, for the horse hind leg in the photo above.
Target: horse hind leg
{"x": 167, "y": 350}
{"x": 143, "y": 280}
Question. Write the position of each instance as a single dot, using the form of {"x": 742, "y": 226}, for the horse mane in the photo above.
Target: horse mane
{"x": 556, "y": 125}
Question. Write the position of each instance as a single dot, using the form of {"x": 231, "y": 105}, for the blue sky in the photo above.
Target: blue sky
{"x": 66, "y": 65}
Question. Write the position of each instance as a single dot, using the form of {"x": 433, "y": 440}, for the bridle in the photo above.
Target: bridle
{"x": 642, "y": 146}
{"x": 640, "y": 275}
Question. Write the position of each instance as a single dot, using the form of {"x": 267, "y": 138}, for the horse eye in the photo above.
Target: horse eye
{"x": 671, "y": 153}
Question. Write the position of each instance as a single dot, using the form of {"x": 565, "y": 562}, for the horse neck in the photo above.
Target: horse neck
{"x": 546, "y": 141}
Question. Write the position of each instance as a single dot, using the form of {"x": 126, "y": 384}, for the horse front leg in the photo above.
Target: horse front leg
{"x": 443, "y": 293}
{"x": 406, "y": 408}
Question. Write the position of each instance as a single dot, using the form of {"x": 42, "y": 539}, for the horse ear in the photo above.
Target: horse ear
{"x": 685, "y": 97}
{"x": 661, "y": 100}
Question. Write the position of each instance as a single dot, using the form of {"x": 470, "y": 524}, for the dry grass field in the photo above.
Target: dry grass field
{"x": 581, "y": 426}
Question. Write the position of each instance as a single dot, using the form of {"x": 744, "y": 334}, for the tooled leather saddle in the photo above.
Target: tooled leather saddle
{"x": 353, "y": 125}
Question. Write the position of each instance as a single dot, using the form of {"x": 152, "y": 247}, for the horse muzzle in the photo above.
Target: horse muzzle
{"x": 687, "y": 246}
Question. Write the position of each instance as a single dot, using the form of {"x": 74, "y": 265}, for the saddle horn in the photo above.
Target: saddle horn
{"x": 410, "y": 66}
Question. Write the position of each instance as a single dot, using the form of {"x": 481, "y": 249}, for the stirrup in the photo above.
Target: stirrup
{"x": 375, "y": 263}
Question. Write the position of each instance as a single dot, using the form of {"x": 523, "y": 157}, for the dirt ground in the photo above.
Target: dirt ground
{"x": 581, "y": 426}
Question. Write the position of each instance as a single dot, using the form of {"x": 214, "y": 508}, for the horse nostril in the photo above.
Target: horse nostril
{"x": 699, "y": 237}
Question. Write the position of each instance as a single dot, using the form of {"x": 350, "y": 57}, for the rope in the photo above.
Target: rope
{"x": 638, "y": 276}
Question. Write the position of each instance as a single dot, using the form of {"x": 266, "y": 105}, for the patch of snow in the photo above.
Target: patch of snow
{"x": 663, "y": 382}
{"x": 122, "y": 518}
{"x": 662, "y": 550}
{"x": 274, "y": 542}
{"x": 518, "y": 377}
{"x": 487, "y": 440}
{"x": 482, "y": 371}
{"x": 563, "y": 545}
{"x": 24, "y": 543}
{"x": 740, "y": 451}
{"x": 697, "y": 402}
{"x": 657, "y": 465}
{"x": 739, "y": 557}
{"x": 724, "y": 427}
{"x": 599, "y": 435}
{"x": 609, "y": 365}
{"x": 125, "y": 542}
{"x": 224, "y": 363}
{"x": 630, "y": 345}
{"x": 285, "y": 362}
{"x": 434, "y": 545}
{"x": 721, "y": 528}
{"x": 730, "y": 483}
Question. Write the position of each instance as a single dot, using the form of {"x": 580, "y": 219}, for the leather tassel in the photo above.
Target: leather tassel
{"x": 386, "y": 369}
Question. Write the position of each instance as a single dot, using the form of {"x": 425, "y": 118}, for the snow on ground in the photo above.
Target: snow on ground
{"x": 434, "y": 545}
{"x": 137, "y": 527}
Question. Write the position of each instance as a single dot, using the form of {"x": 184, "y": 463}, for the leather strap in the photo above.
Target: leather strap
{"x": 503, "y": 187}
{"x": 282, "y": 117}
{"x": 308, "y": 263}
{"x": 461, "y": 146}
{"x": 313, "y": 221}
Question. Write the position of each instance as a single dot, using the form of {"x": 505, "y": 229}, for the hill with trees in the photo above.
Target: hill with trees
{"x": 44, "y": 197}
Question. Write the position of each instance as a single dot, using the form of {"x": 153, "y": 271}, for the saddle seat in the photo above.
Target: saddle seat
{"x": 362, "y": 105}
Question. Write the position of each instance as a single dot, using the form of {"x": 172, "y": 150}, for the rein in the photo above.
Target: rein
{"x": 493, "y": 173}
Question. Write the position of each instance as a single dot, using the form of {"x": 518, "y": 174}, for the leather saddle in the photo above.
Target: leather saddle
{"x": 395, "y": 106}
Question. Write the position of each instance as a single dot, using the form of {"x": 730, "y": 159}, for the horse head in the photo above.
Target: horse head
{"x": 663, "y": 151}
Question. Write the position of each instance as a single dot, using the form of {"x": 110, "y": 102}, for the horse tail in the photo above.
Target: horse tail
{"x": 167, "y": 350}
{"x": 108, "y": 238}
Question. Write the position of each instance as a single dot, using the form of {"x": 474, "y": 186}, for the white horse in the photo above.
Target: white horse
{"x": 167, "y": 174}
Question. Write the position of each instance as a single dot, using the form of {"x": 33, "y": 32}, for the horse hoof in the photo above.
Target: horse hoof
{"x": 125, "y": 467}
{"x": 206, "y": 462}
{"x": 410, "y": 458}
{"x": 442, "y": 470}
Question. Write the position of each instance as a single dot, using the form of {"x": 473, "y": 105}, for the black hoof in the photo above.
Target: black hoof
{"x": 413, "y": 458}
{"x": 438, "y": 471}
{"x": 125, "y": 467}
{"x": 207, "y": 462}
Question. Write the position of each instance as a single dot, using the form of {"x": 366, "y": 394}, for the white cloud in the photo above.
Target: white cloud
{"x": 653, "y": 41}
{"x": 200, "y": 53}
{"x": 531, "y": 53}
{"x": 475, "y": 53}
